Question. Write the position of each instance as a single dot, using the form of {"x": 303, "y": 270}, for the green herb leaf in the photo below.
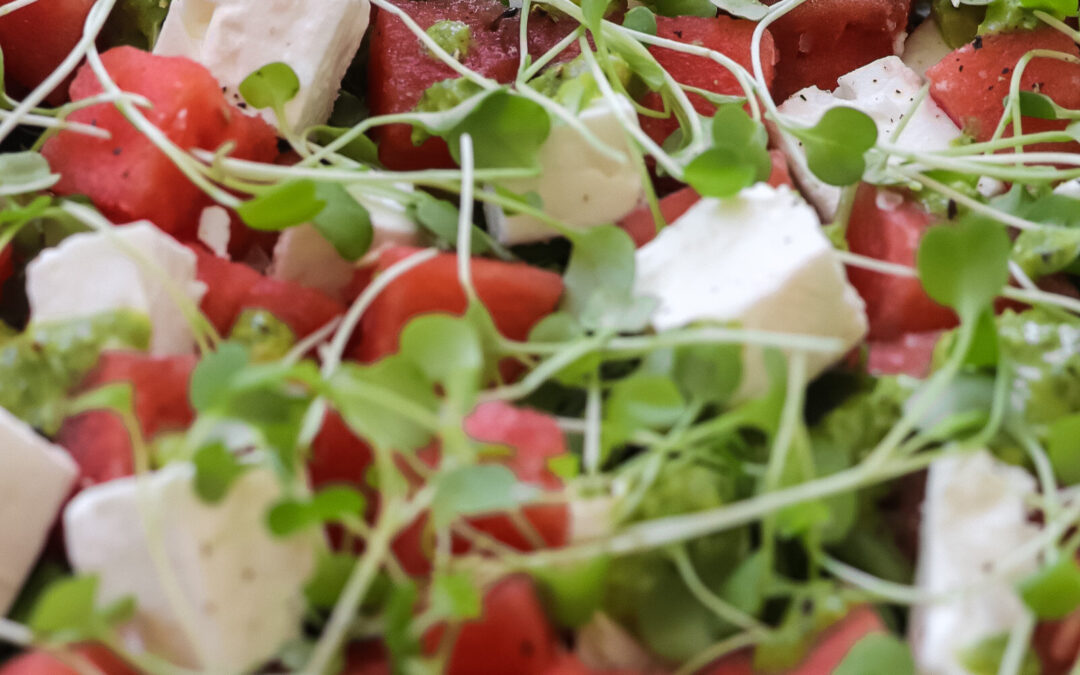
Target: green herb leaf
{"x": 877, "y": 654}
{"x": 66, "y": 605}
{"x": 455, "y": 596}
{"x": 271, "y": 86}
{"x": 212, "y": 377}
{"x": 1054, "y": 591}
{"x": 836, "y": 146}
{"x": 216, "y": 469}
{"x": 593, "y": 12}
{"x": 333, "y": 504}
{"x": 640, "y": 19}
{"x": 640, "y": 401}
{"x": 599, "y": 281}
{"x": 332, "y": 572}
{"x": 343, "y": 221}
{"x": 573, "y": 593}
{"x": 747, "y": 9}
{"x": 507, "y": 131}
{"x": 23, "y": 172}
{"x": 1039, "y": 106}
{"x": 718, "y": 173}
{"x": 964, "y": 266}
{"x": 447, "y": 350}
{"x": 284, "y": 205}
{"x": 702, "y": 8}
{"x": 117, "y": 396}
{"x": 470, "y": 490}
{"x": 359, "y": 394}
{"x": 1063, "y": 446}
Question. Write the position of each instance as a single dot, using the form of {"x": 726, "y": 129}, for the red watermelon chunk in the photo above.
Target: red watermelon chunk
{"x": 41, "y": 662}
{"x": 894, "y": 304}
{"x": 233, "y": 287}
{"x": 38, "y": 37}
{"x": 401, "y": 67}
{"x": 971, "y": 83}
{"x": 723, "y": 34}
{"x": 126, "y": 176}
{"x": 512, "y": 635}
{"x": 98, "y": 441}
{"x": 516, "y": 295}
{"x": 641, "y": 226}
{"x": 821, "y": 40}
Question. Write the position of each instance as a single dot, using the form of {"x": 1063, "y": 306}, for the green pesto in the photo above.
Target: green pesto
{"x": 454, "y": 37}
{"x": 1045, "y": 351}
{"x": 268, "y": 337}
{"x": 1042, "y": 252}
{"x": 41, "y": 365}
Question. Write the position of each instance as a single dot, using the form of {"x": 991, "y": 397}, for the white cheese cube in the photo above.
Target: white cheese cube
{"x": 242, "y": 587}
{"x": 577, "y": 184}
{"x": 303, "y": 255}
{"x": 885, "y": 90}
{"x": 760, "y": 260}
{"x": 215, "y": 230}
{"x": 35, "y": 479}
{"x": 925, "y": 47}
{"x": 233, "y": 38}
{"x": 130, "y": 267}
{"x": 974, "y": 516}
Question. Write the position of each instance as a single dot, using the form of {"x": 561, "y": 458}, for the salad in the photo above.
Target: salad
{"x": 540, "y": 337}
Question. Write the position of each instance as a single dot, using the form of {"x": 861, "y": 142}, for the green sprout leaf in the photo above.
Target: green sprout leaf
{"x": 282, "y": 206}
{"x": 507, "y": 131}
{"x": 23, "y": 172}
{"x": 718, "y": 173}
{"x": 455, "y": 596}
{"x": 573, "y": 593}
{"x": 1037, "y": 105}
{"x": 334, "y": 504}
{"x": 471, "y": 490}
{"x": 360, "y": 394}
{"x": 1054, "y": 591}
{"x": 640, "y": 19}
{"x": 271, "y": 86}
{"x": 331, "y": 574}
{"x": 836, "y": 146}
{"x": 343, "y": 221}
{"x": 739, "y": 156}
{"x": 877, "y": 654}
{"x": 67, "y": 611}
{"x": 212, "y": 377}
{"x": 599, "y": 281}
{"x": 447, "y": 350}
{"x": 593, "y": 12}
{"x": 964, "y": 266}
{"x": 640, "y": 401}
{"x": 747, "y": 9}
{"x": 216, "y": 469}
{"x": 1063, "y": 446}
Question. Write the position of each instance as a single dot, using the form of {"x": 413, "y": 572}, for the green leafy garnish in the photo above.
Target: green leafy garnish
{"x": 964, "y": 266}
{"x": 1054, "y": 591}
{"x": 271, "y": 86}
{"x": 836, "y": 146}
{"x": 284, "y": 205}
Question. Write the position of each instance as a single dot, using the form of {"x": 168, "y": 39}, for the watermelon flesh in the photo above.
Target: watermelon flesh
{"x": 731, "y": 37}
{"x": 127, "y": 177}
{"x": 820, "y": 40}
{"x": 401, "y": 68}
{"x": 971, "y": 83}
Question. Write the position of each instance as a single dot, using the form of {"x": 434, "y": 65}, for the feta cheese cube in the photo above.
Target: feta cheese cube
{"x": 303, "y": 255}
{"x": 884, "y": 90}
{"x": 130, "y": 267}
{"x": 34, "y": 482}
{"x": 760, "y": 260}
{"x": 925, "y": 47}
{"x": 577, "y": 184}
{"x": 233, "y": 38}
{"x": 974, "y": 516}
{"x": 243, "y": 588}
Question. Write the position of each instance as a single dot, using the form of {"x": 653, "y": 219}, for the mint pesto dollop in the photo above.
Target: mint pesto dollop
{"x": 454, "y": 37}
{"x": 268, "y": 337}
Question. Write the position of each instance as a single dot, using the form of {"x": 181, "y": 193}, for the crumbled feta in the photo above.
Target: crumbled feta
{"x": 243, "y": 588}
{"x": 233, "y": 38}
{"x": 925, "y": 47}
{"x": 577, "y": 184}
{"x": 974, "y": 516}
{"x": 885, "y": 90}
{"x": 759, "y": 260}
{"x": 35, "y": 480}
{"x": 134, "y": 266}
{"x": 215, "y": 230}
